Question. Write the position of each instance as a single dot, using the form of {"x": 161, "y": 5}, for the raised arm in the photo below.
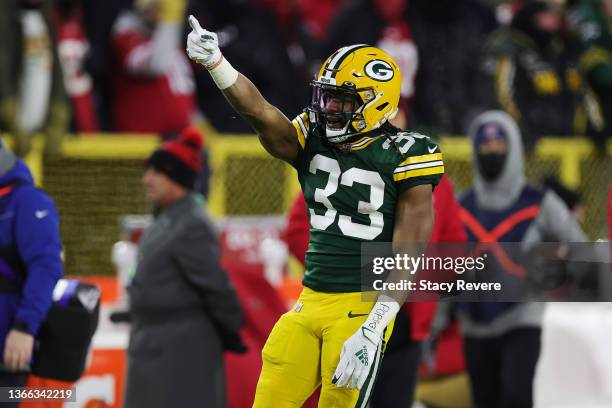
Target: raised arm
{"x": 275, "y": 131}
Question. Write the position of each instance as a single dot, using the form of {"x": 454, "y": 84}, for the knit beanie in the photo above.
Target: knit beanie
{"x": 180, "y": 159}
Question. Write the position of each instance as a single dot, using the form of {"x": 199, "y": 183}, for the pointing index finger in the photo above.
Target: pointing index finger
{"x": 195, "y": 25}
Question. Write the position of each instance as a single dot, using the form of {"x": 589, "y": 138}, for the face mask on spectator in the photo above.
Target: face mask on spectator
{"x": 491, "y": 165}
{"x": 492, "y": 145}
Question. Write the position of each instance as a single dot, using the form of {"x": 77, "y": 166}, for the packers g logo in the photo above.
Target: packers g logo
{"x": 379, "y": 70}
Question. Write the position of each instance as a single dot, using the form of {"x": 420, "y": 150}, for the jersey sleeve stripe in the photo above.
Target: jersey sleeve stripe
{"x": 364, "y": 144}
{"x": 360, "y": 141}
{"x": 418, "y": 172}
{"x": 298, "y": 124}
{"x": 301, "y": 123}
{"x": 421, "y": 159}
{"x": 419, "y": 166}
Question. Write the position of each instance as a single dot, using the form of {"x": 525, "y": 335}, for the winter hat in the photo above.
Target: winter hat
{"x": 180, "y": 159}
{"x": 7, "y": 158}
{"x": 489, "y": 131}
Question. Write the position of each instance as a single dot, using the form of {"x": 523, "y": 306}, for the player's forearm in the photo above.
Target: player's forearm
{"x": 411, "y": 241}
{"x": 410, "y": 238}
{"x": 273, "y": 128}
{"x": 246, "y": 99}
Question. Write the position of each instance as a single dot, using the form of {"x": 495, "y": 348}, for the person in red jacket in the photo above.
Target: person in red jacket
{"x": 413, "y": 325}
{"x": 154, "y": 88}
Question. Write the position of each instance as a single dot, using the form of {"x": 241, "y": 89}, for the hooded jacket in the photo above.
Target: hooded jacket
{"x": 491, "y": 201}
{"x": 29, "y": 228}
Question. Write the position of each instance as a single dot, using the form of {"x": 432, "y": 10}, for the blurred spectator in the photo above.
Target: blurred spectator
{"x": 202, "y": 183}
{"x": 306, "y": 25}
{"x": 73, "y": 48}
{"x": 250, "y": 37}
{"x": 281, "y": 9}
{"x": 383, "y": 23}
{"x": 449, "y": 35}
{"x": 316, "y": 16}
{"x": 533, "y": 70}
{"x": 311, "y": 16}
{"x": 98, "y": 20}
{"x": 297, "y": 233}
{"x": 595, "y": 28}
{"x": 30, "y": 265}
{"x": 32, "y": 95}
{"x": 184, "y": 310}
{"x": 154, "y": 90}
{"x": 572, "y": 199}
{"x": 502, "y": 340}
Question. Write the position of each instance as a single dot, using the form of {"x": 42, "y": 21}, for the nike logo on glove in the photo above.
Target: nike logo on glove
{"x": 351, "y": 315}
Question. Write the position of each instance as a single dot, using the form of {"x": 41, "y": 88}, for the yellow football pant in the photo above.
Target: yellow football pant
{"x": 304, "y": 347}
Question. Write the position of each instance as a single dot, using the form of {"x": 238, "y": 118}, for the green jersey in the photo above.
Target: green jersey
{"x": 351, "y": 197}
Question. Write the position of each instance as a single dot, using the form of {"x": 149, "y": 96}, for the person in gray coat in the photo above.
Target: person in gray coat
{"x": 502, "y": 339}
{"x": 184, "y": 310}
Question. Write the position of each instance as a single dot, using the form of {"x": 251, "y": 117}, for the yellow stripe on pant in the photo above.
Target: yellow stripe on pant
{"x": 304, "y": 347}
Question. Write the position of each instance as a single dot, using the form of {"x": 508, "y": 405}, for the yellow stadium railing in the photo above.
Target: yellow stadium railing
{"x": 97, "y": 180}
{"x": 569, "y": 152}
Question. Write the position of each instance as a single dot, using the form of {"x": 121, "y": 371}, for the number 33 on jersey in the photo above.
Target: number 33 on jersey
{"x": 351, "y": 197}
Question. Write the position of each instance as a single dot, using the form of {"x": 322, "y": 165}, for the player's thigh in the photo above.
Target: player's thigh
{"x": 291, "y": 364}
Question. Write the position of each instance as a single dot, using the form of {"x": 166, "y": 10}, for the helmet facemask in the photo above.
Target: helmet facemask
{"x": 337, "y": 110}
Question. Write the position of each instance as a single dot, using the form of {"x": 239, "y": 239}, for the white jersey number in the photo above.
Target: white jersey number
{"x": 370, "y": 208}
{"x": 404, "y": 141}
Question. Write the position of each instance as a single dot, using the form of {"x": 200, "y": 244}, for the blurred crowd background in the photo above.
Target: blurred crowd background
{"x": 80, "y": 80}
{"x": 545, "y": 62}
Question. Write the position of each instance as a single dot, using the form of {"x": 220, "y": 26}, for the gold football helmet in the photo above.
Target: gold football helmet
{"x": 356, "y": 91}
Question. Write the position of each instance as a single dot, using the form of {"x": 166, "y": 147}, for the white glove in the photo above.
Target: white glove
{"x": 360, "y": 351}
{"x": 358, "y": 355}
{"x": 202, "y": 45}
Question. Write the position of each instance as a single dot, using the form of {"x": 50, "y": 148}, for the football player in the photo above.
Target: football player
{"x": 364, "y": 181}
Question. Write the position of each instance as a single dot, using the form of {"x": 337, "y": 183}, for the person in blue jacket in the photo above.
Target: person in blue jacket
{"x": 30, "y": 265}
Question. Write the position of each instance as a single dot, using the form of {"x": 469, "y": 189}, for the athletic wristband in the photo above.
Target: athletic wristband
{"x": 381, "y": 315}
{"x": 223, "y": 73}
